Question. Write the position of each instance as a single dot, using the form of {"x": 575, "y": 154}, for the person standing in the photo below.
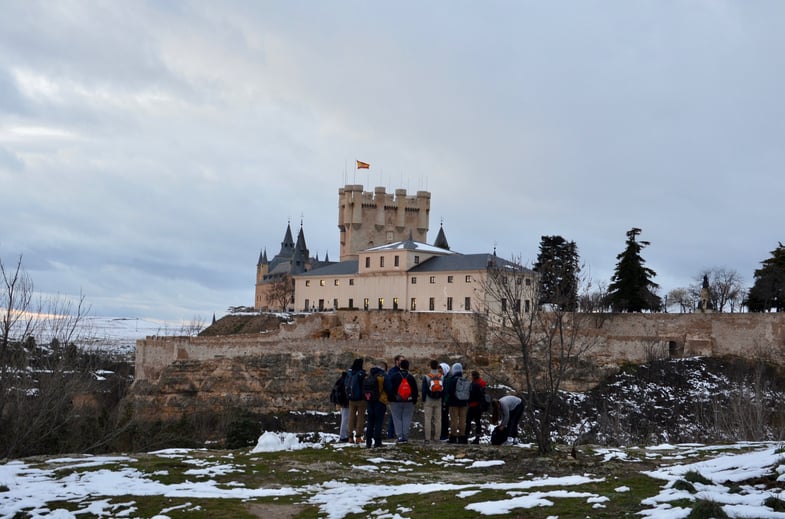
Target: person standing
{"x": 338, "y": 397}
{"x": 458, "y": 389}
{"x": 445, "y": 432}
{"x": 391, "y": 373}
{"x": 476, "y": 402}
{"x": 377, "y": 400}
{"x": 402, "y": 392}
{"x": 507, "y": 413}
{"x": 433, "y": 392}
{"x": 357, "y": 403}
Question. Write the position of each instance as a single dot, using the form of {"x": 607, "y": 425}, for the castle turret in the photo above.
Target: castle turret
{"x": 368, "y": 219}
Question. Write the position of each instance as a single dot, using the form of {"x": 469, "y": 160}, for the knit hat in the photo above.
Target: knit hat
{"x": 457, "y": 369}
{"x": 357, "y": 365}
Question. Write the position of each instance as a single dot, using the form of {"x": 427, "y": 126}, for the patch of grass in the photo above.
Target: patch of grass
{"x": 4, "y": 488}
{"x": 775, "y": 503}
{"x": 685, "y": 486}
{"x": 704, "y": 509}
{"x": 694, "y": 476}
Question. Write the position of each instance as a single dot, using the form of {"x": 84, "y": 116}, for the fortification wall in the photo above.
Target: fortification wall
{"x": 295, "y": 366}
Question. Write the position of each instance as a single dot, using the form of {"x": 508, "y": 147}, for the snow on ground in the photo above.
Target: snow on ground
{"x": 92, "y": 481}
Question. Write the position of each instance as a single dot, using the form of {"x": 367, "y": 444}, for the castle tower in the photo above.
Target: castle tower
{"x": 368, "y": 219}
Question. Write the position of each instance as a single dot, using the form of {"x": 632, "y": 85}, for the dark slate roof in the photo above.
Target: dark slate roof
{"x": 457, "y": 262}
{"x": 341, "y": 268}
{"x": 441, "y": 239}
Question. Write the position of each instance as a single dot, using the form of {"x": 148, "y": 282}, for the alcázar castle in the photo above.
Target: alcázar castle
{"x": 391, "y": 292}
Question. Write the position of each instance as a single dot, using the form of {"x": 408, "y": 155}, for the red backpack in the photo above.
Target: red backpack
{"x": 404, "y": 389}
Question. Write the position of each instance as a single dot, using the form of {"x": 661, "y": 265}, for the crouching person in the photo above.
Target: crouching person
{"x": 506, "y": 414}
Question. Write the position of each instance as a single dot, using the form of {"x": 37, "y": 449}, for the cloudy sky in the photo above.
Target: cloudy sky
{"x": 150, "y": 150}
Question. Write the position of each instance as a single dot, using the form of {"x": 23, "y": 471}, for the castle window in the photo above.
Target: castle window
{"x": 414, "y": 280}
{"x": 413, "y": 305}
{"x": 351, "y": 282}
{"x": 504, "y": 304}
{"x": 432, "y": 280}
{"x": 335, "y": 304}
{"x": 467, "y": 303}
{"x": 367, "y": 262}
{"x": 396, "y": 261}
{"x": 526, "y": 306}
{"x": 468, "y": 278}
{"x": 307, "y": 282}
{"x": 336, "y": 282}
{"x": 431, "y": 303}
{"x": 518, "y": 281}
{"x": 395, "y": 303}
{"x": 517, "y": 305}
{"x": 365, "y": 303}
{"x": 307, "y": 303}
{"x": 416, "y": 260}
{"x": 528, "y": 282}
{"x": 449, "y": 279}
{"x": 381, "y": 303}
{"x": 381, "y": 261}
{"x": 449, "y": 304}
{"x": 351, "y": 304}
{"x": 321, "y": 283}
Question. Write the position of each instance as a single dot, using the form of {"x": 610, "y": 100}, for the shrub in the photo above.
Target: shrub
{"x": 704, "y": 509}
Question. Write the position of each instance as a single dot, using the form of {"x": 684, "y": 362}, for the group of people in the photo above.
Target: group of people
{"x": 452, "y": 404}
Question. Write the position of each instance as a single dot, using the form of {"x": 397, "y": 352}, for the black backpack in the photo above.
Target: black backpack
{"x": 338, "y": 392}
{"x": 371, "y": 388}
{"x": 354, "y": 385}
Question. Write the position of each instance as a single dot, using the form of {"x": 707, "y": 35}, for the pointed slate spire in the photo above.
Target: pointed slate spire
{"x": 262, "y": 258}
{"x": 327, "y": 257}
{"x": 213, "y": 317}
{"x": 441, "y": 239}
{"x": 287, "y": 245}
{"x": 300, "y": 256}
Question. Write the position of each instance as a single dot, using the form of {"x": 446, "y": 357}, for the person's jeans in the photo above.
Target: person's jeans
{"x": 432, "y": 408}
{"x": 458, "y": 421}
{"x": 343, "y": 434}
{"x": 402, "y": 413}
{"x": 515, "y": 418}
{"x": 357, "y": 418}
{"x": 474, "y": 416}
{"x": 376, "y": 412}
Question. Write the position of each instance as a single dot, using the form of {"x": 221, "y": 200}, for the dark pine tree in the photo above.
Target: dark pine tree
{"x": 768, "y": 290}
{"x": 558, "y": 267}
{"x": 632, "y": 288}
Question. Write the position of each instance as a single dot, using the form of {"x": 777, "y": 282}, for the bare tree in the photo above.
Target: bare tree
{"x": 683, "y": 297}
{"x": 549, "y": 341}
{"x": 281, "y": 292}
{"x": 42, "y": 374}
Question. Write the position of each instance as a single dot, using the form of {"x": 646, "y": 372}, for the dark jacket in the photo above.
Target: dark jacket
{"x": 394, "y": 381}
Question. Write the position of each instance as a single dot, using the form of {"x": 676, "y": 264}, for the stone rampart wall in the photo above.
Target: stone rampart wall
{"x": 294, "y": 367}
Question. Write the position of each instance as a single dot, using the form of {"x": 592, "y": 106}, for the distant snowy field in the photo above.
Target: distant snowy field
{"x": 119, "y": 334}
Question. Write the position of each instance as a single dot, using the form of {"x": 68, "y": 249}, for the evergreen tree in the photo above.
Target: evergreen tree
{"x": 768, "y": 290}
{"x": 558, "y": 267}
{"x": 632, "y": 288}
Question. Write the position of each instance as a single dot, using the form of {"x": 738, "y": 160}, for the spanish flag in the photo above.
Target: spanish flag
{"x": 363, "y": 165}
